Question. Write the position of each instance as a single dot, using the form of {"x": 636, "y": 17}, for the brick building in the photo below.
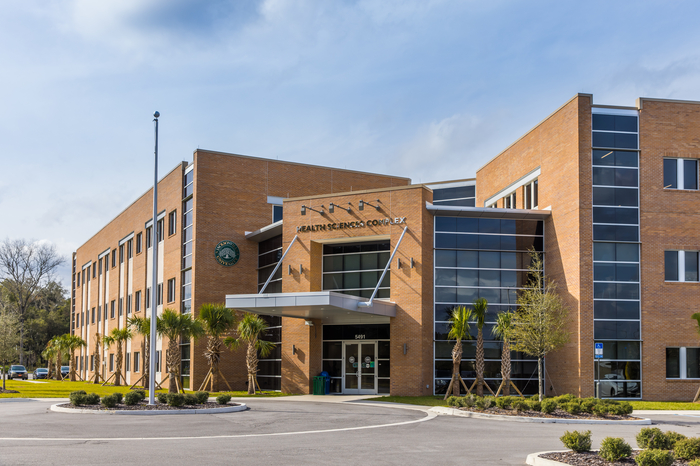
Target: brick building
{"x": 595, "y": 188}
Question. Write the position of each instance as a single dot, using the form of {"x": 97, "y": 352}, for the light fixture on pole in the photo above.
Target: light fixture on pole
{"x": 331, "y": 208}
{"x": 362, "y": 205}
{"x": 305, "y": 207}
{"x": 154, "y": 268}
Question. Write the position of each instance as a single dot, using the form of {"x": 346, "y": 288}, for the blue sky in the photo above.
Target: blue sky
{"x": 426, "y": 89}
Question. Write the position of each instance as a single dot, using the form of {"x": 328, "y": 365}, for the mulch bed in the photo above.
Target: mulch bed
{"x": 8, "y": 391}
{"x": 557, "y": 414}
{"x": 591, "y": 458}
{"x": 143, "y": 406}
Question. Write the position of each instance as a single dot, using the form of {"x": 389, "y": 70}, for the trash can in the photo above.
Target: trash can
{"x": 327, "y": 384}
{"x": 319, "y": 385}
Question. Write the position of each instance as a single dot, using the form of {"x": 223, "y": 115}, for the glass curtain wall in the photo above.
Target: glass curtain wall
{"x": 482, "y": 258}
{"x": 616, "y": 266}
{"x": 455, "y": 196}
{"x": 270, "y": 367}
{"x": 269, "y": 254}
{"x": 186, "y": 273}
{"x": 355, "y": 268}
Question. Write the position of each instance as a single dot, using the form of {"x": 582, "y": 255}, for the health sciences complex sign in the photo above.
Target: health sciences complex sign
{"x": 350, "y": 225}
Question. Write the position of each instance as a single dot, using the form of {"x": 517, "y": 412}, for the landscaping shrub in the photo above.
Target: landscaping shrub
{"x": 652, "y": 438}
{"x": 654, "y": 457}
{"x": 561, "y": 399}
{"x": 479, "y": 403}
{"x": 673, "y": 437}
{"x": 202, "y": 397}
{"x": 162, "y": 398}
{"x": 142, "y": 394}
{"x": 77, "y": 398}
{"x": 504, "y": 402}
{"x": 519, "y": 405}
{"x": 577, "y": 441}
{"x": 468, "y": 401}
{"x": 119, "y": 396}
{"x": 109, "y": 401}
{"x": 190, "y": 399}
{"x": 687, "y": 448}
{"x": 588, "y": 404}
{"x": 176, "y": 399}
{"x": 613, "y": 449}
{"x": 223, "y": 399}
{"x": 601, "y": 409}
{"x": 92, "y": 399}
{"x": 571, "y": 407}
{"x": 452, "y": 401}
{"x": 548, "y": 406}
{"x": 694, "y": 463}
{"x": 534, "y": 405}
{"x": 627, "y": 407}
{"x": 489, "y": 401}
{"x": 132, "y": 398}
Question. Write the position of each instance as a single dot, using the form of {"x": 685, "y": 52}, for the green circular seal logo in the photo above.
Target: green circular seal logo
{"x": 227, "y": 253}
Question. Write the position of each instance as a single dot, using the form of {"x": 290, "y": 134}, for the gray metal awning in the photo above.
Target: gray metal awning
{"x": 266, "y": 232}
{"x": 330, "y": 306}
{"x": 486, "y": 212}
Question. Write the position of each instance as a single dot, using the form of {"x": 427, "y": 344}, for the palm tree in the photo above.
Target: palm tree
{"x": 72, "y": 343}
{"x": 251, "y": 329}
{"x": 459, "y": 330}
{"x": 58, "y": 349}
{"x": 503, "y": 325}
{"x": 216, "y": 319}
{"x": 479, "y": 313}
{"x": 142, "y": 326}
{"x": 177, "y": 326}
{"x": 118, "y": 336}
{"x": 97, "y": 355}
{"x": 49, "y": 354}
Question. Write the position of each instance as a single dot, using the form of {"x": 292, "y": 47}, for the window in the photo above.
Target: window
{"x": 172, "y": 222}
{"x": 136, "y": 362}
{"x": 92, "y": 362}
{"x": 509, "y": 201}
{"x": 530, "y": 195}
{"x": 171, "y": 290}
{"x": 130, "y": 249}
{"x": 128, "y": 304}
{"x": 81, "y": 362}
{"x": 681, "y": 266}
{"x": 149, "y": 237}
{"x": 276, "y": 213}
{"x": 158, "y": 361}
{"x": 683, "y": 363}
{"x": 114, "y": 258}
{"x": 92, "y": 320}
{"x": 100, "y": 266}
{"x": 121, "y": 307}
{"x": 139, "y": 239}
{"x": 148, "y": 297}
{"x": 94, "y": 270}
{"x": 159, "y": 230}
{"x": 127, "y": 360}
{"x": 99, "y": 313}
{"x": 159, "y": 296}
{"x": 111, "y": 362}
{"x": 680, "y": 174}
{"x": 105, "y": 311}
{"x": 78, "y": 278}
{"x": 137, "y": 301}
{"x": 186, "y": 291}
{"x": 111, "y": 312}
{"x": 121, "y": 254}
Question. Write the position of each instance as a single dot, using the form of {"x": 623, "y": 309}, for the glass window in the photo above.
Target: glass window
{"x": 690, "y": 174}
{"x": 615, "y": 233}
{"x": 691, "y": 266}
{"x": 615, "y": 158}
{"x": 692, "y": 363}
{"x": 614, "y": 215}
{"x": 615, "y": 197}
{"x": 604, "y": 176}
{"x": 673, "y": 363}
{"x": 616, "y": 309}
{"x": 671, "y": 265}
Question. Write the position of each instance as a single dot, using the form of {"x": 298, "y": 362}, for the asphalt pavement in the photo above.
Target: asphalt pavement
{"x": 287, "y": 431}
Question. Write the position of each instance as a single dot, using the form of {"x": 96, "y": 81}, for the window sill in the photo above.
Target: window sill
{"x": 682, "y": 190}
{"x": 686, "y": 380}
{"x": 683, "y": 283}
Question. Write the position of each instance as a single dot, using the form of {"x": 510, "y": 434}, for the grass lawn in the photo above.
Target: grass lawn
{"x": 412, "y": 400}
{"x": 665, "y": 405}
{"x": 58, "y": 389}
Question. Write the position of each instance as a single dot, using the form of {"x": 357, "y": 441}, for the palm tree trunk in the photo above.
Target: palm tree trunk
{"x": 146, "y": 361}
{"x": 456, "y": 367}
{"x": 252, "y": 364}
{"x": 72, "y": 369}
{"x": 173, "y": 361}
{"x": 97, "y": 363}
{"x": 505, "y": 367}
{"x": 480, "y": 363}
{"x": 118, "y": 372}
{"x": 539, "y": 377}
{"x": 58, "y": 364}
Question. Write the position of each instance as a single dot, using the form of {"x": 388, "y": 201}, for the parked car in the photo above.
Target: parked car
{"x": 40, "y": 373}
{"x": 18, "y": 372}
{"x": 609, "y": 387}
{"x": 65, "y": 370}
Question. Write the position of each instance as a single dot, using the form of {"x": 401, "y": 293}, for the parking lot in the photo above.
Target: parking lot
{"x": 284, "y": 431}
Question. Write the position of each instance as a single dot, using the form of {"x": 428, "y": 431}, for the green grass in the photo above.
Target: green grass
{"x": 665, "y": 405}
{"x": 412, "y": 400}
{"x": 59, "y": 389}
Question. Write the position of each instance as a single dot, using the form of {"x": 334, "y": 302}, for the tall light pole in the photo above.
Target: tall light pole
{"x": 154, "y": 269}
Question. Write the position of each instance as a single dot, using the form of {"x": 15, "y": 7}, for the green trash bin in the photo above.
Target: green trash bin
{"x": 319, "y": 385}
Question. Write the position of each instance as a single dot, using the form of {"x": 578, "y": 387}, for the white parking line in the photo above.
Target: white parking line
{"x": 428, "y": 417}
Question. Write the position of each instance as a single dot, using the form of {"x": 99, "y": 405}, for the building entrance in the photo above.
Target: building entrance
{"x": 360, "y": 368}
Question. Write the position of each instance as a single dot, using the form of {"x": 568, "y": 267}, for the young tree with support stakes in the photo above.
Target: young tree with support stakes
{"x": 117, "y": 336}
{"x": 479, "y": 314}
{"x": 539, "y": 324}
{"x": 217, "y": 320}
{"x": 251, "y": 330}
{"x": 504, "y": 322}
{"x": 73, "y": 343}
{"x": 57, "y": 346}
{"x": 97, "y": 355}
{"x": 459, "y": 330}
{"x": 142, "y": 326}
{"x": 9, "y": 339}
{"x": 177, "y": 326}
{"x": 25, "y": 268}
{"x": 49, "y": 354}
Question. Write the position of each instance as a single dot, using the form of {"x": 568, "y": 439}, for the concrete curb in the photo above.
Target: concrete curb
{"x": 542, "y": 420}
{"x": 152, "y": 412}
{"x": 535, "y": 460}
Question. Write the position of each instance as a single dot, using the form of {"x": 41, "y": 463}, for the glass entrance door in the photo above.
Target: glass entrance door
{"x": 359, "y": 368}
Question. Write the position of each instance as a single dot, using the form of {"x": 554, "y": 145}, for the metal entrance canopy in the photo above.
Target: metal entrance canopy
{"x": 327, "y": 305}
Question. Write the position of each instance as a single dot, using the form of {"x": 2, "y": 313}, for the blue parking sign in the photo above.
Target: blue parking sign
{"x": 599, "y": 351}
